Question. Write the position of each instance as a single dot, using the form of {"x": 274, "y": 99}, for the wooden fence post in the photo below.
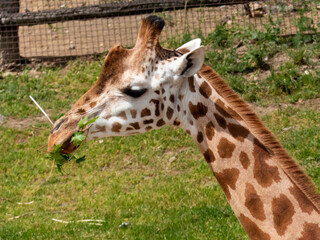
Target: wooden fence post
{"x": 9, "y": 34}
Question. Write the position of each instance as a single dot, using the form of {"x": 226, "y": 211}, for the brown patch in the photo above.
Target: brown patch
{"x": 148, "y": 128}
{"x": 210, "y": 130}
{"x": 160, "y": 123}
{"x": 188, "y": 131}
{"x": 164, "y": 98}
{"x": 176, "y": 122}
{"x": 178, "y": 108}
{"x": 157, "y": 92}
{"x": 133, "y": 113}
{"x": 143, "y": 69}
{"x": 283, "y": 211}
{"x": 87, "y": 98}
{"x": 162, "y": 90}
{"x": 245, "y": 162}
{"x": 129, "y": 128}
{"x": 145, "y": 112}
{"x": 116, "y": 127}
{"x": 220, "y": 120}
{"x": 169, "y": 113}
{"x": 263, "y": 173}
{"x": 181, "y": 97}
{"x": 162, "y": 106}
{"x": 93, "y": 104}
{"x": 200, "y": 137}
{"x": 135, "y": 125}
{"x": 209, "y": 156}
{"x": 100, "y": 128}
{"x": 226, "y": 111}
{"x": 304, "y": 202}
{"x": 191, "y": 84}
{"x": 252, "y": 229}
{"x": 310, "y": 231}
{"x": 291, "y": 168}
{"x": 171, "y": 98}
{"x": 148, "y": 121}
{"x": 228, "y": 178}
{"x": 205, "y": 90}
{"x": 157, "y": 109}
{"x": 238, "y": 132}
{"x": 191, "y": 122}
{"x": 225, "y": 148}
{"x": 122, "y": 115}
{"x": 81, "y": 111}
{"x": 254, "y": 203}
{"x": 198, "y": 110}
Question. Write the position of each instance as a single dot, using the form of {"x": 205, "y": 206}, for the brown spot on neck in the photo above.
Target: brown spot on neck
{"x": 198, "y": 110}
{"x": 205, "y": 90}
{"x": 225, "y": 148}
{"x": 191, "y": 84}
{"x": 245, "y": 162}
{"x": 200, "y": 137}
{"x": 228, "y": 178}
{"x": 254, "y": 203}
{"x": 238, "y": 132}
{"x": 252, "y": 229}
{"x": 310, "y": 231}
{"x": 209, "y": 130}
{"x": 305, "y": 204}
{"x": 220, "y": 120}
{"x": 283, "y": 211}
{"x": 263, "y": 173}
{"x": 209, "y": 156}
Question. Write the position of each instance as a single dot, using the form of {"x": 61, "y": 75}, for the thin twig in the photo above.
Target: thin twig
{"x": 16, "y": 217}
{"x": 45, "y": 114}
{"x": 27, "y": 203}
{"x": 89, "y": 221}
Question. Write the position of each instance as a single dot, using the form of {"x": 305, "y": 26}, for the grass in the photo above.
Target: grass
{"x": 158, "y": 182}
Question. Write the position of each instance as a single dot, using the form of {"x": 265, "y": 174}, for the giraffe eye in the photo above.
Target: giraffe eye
{"x": 134, "y": 92}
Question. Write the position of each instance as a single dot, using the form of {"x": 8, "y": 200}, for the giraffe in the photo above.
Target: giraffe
{"x": 148, "y": 87}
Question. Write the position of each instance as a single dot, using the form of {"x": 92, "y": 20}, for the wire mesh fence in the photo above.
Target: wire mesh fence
{"x": 56, "y": 30}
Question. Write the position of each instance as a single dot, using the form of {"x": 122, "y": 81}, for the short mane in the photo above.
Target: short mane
{"x": 291, "y": 168}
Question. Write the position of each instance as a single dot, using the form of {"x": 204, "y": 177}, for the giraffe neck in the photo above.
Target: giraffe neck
{"x": 268, "y": 201}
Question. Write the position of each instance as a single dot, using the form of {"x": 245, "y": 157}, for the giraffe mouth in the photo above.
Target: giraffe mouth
{"x": 68, "y": 147}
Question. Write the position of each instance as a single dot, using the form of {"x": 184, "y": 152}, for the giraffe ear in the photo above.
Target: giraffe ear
{"x": 191, "y": 62}
{"x": 189, "y": 46}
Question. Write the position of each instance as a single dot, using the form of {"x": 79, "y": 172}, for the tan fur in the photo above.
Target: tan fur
{"x": 291, "y": 168}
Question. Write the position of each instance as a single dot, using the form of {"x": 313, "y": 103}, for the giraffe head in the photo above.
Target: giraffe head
{"x": 136, "y": 91}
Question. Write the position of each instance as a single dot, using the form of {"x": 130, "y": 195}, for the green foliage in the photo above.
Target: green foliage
{"x": 220, "y": 37}
{"x": 77, "y": 139}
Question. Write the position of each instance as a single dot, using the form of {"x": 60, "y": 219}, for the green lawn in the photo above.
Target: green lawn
{"x": 158, "y": 183}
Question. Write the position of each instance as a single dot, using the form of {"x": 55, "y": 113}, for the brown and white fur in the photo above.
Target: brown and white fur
{"x": 148, "y": 87}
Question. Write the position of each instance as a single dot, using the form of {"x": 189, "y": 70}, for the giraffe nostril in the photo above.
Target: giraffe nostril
{"x": 58, "y": 125}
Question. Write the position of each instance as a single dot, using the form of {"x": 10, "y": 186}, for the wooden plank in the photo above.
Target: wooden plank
{"x": 9, "y": 37}
{"x": 106, "y": 10}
